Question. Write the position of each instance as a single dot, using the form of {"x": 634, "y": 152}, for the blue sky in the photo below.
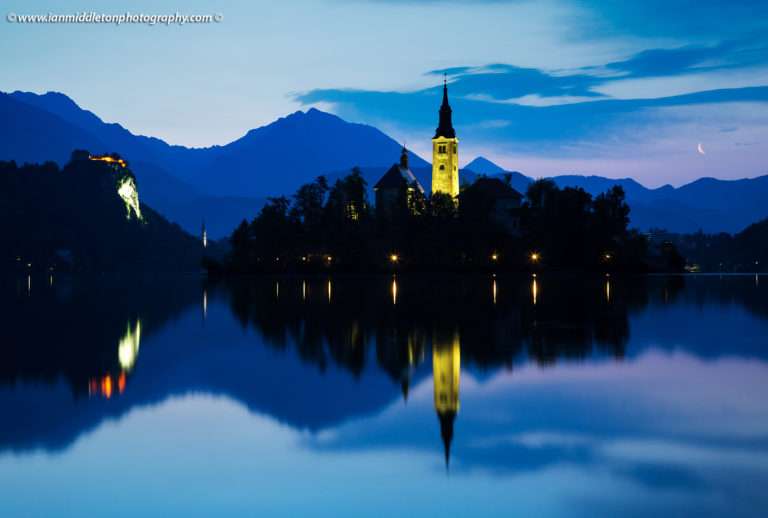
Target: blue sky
{"x": 616, "y": 88}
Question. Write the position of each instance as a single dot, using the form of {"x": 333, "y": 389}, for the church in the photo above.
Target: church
{"x": 397, "y": 188}
{"x": 488, "y": 199}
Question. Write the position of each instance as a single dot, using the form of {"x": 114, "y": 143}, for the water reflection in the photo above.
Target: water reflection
{"x": 554, "y": 370}
{"x": 128, "y": 348}
{"x": 446, "y": 373}
{"x": 394, "y": 291}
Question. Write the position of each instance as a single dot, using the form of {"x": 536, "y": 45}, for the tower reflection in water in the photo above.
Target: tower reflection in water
{"x": 446, "y": 372}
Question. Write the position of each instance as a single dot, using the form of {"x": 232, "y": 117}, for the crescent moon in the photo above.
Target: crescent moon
{"x": 700, "y": 149}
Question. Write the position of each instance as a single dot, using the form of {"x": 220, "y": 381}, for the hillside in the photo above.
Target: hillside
{"x": 86, "y": 217}
{"x": 220, "y": 184}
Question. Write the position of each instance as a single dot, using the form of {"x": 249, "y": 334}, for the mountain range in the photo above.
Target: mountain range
{"x": 222, "y": 185}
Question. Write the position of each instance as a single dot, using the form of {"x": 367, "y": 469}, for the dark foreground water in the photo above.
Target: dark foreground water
{"x": 356, "y": 396}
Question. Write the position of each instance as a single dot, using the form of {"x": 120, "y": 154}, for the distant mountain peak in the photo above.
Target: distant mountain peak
{"x": 482, "y": 165}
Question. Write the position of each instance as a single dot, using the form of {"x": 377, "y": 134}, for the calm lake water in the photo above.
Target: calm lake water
{"x": 355, "y": 396}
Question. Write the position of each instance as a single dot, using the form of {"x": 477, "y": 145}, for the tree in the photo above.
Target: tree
{"x": 308, "y": 202}
{"x": 273, "y": 231}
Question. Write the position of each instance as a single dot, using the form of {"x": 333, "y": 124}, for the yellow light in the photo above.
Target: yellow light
{"x": 329, "y": 290}
{"x": 607, "y": 290}
{"x": 328, "y": 258}
{"x": 494, "y": 291}
{"x": 446, "y": 373}
{"x": 109, "y": 160}
{"x": 106, "y": 386}
{"x": 535, "y": 257}
{"x": 534, "y": 290}
{"x": 607, "y": 256}
{"x": 394, "y": 258}
{"x": 494, "y": 257}
{"x": 303, "y": 290}
{"x": 394, "y": 291}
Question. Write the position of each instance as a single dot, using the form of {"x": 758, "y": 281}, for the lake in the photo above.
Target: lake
{"x": 442, "y": 395}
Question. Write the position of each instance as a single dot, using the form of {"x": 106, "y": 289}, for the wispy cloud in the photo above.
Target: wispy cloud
{"x": 731, "y": 54}
{"x": 540, "y": 114}
{"x": 501, "y": 81}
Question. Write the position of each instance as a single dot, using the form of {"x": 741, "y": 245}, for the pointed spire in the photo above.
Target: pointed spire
{"x": 445, "y": 126}
{"x": 446, "y": 432}
{"x": 404, "y": 158}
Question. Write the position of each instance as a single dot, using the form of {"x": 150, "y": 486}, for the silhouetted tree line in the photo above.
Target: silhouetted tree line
{"x": 746, "y": 251}
{"x": 72, "y": 219}
{"x": 334, "y": 226}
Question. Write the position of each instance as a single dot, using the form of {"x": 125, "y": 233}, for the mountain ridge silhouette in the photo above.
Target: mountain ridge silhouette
{"x": 223, "y": 184}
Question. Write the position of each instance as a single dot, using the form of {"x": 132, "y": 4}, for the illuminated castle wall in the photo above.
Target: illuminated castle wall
{"x": 445, "y": 152}
{"x": 126, "y": 183}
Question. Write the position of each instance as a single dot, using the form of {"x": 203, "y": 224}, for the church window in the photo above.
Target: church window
{"x": 442, "y": 167}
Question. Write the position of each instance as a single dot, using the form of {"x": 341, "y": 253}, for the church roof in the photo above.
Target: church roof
{"x": 491, "y": 188}
{"x": 396, "y": 177}
{"x": 445, "y": 126}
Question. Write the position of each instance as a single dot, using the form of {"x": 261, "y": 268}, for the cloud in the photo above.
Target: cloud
{"x": 683, "y": 19}
{"x": 544, "y": 127}
{"x": 502, "y": 82}
{"x": 661, "y": 62}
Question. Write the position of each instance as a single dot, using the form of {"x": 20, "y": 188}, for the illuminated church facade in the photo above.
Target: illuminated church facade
{"x": 395, "y": 190}
{"x": 445, "y": 152}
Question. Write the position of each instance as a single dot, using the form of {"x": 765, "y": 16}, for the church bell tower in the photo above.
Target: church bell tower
{"x": 445, "y": 152}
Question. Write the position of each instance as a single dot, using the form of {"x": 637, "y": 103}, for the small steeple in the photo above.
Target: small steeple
{"x": 445, "y": 126}
{"x": 404, "y": 158}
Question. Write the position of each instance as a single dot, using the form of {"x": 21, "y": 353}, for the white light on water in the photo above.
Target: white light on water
{"x": 128, "y": 348}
